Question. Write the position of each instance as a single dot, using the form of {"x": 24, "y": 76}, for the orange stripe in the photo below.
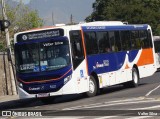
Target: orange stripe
{"x": 126, "y": 67}
{"x": 146, "y": 57}
{"x": 84, "y": 48}
{"x": 45, "y": 80}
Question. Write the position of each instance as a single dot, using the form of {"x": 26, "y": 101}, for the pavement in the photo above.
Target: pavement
{"x": 7, "y": 98}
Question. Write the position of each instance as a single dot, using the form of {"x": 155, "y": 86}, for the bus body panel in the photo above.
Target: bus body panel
{"x": 77, "y": 84}
{"x": 81, "y": 77}
{"x": 122, "y": 71}
{"x": 111, "y": 68}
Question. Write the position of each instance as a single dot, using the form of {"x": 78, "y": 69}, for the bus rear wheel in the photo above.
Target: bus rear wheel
{"x": 135, "y": 78}
{"x": 93, "y": 89}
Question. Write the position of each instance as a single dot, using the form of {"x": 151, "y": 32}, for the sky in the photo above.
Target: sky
{"x": 61, "y": 10}
{"x": 25, "y": 1}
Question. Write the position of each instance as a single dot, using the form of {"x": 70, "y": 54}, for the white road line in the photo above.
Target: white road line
{"x": 64, "y": 117}
{"x": 87, "y": 107}
{"x": 151, "y": 107}
{"x": 107, "y": 117}
{"x": 125, "y": 100}
{"x": 152, "y": 91}
{"x": 139, "y": 117}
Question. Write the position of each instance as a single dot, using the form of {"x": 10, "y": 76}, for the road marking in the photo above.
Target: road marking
{"x": 151, "y": 107}
{"x": 124, "y": 103}
{"x": 152, "y": 91}
{"x": 107, "y": 117}
{"x": 125, "y": 100}
{"x": 64, "y": 117}
{"x": 139, "y": 117}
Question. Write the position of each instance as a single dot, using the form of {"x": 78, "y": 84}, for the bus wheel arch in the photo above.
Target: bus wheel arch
{"x": 93, "y": 85}
{"x": 135, "y": 78}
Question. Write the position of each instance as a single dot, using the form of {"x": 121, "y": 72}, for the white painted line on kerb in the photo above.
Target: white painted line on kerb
{"x": 152, "y": 91}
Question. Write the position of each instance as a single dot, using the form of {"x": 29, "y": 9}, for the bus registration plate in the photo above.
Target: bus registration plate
{"x": 40, "y": 95}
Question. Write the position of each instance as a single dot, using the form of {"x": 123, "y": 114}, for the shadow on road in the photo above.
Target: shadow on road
{"x": 23, "y": 103}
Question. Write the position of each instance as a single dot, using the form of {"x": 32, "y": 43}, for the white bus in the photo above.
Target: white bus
{"x": 82, "y": 58}
{"x": 157, "y": 50}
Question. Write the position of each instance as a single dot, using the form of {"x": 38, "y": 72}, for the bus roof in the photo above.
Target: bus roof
{"x": 115, "y": 24}
{"x": 102, "y": 23}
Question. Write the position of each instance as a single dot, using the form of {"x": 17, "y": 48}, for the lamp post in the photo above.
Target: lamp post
{"x": 4, "y": 27}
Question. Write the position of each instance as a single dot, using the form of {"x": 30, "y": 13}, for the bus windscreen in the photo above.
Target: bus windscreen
{"x": 47, "y": 55}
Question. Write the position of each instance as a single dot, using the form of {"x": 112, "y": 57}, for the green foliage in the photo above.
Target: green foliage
{"x": 22, "y": 18}
{"x": 133, "y": 11}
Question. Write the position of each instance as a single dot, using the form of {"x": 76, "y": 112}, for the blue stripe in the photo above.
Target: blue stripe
{"x": 113, "y": 28}
{"x": 103, "y": 63}
{"x": 46, "y": 85}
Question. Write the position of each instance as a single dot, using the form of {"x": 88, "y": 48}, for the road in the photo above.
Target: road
{"x": 113, "y": 102}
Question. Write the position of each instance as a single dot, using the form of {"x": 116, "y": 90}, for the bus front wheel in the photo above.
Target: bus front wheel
{"x": 93, "y": 89}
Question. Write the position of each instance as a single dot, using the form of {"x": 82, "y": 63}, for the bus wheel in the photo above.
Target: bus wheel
{"x": 135, "y": 78}
{"x": 92, "y": 87}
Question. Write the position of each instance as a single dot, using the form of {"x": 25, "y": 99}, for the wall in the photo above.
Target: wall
{"x": 5, "y": 79}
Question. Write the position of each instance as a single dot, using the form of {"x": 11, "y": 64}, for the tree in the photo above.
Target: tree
{"x": 22, "y": 18}
{"x": 133, "y": 11}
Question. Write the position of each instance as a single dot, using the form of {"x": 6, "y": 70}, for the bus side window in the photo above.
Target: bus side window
{"x": 91, "y": 43}
{"x": 125, "y": 38}
{"x": 150, "y": 38}
{"x": 135, "y": 40}
{"x": 117, "y": 41}
{"x": 145, "y": 37}
{"x": 77, "y": 48}
{"x": 103, "y": 42}
{"x": 112, "y": 40}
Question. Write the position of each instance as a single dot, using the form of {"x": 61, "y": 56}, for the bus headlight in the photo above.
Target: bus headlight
{"x": 20, "y": 84}
{"x": 67, "y": 79}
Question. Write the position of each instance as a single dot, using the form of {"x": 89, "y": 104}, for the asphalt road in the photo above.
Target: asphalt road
{"x": 113, "y": 102}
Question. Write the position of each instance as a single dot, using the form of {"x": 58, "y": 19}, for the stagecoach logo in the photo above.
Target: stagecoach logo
{"x": 100, "y": 65}
{"x": 24, "y": 37}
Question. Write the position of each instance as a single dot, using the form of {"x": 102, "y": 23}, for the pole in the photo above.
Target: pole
{"x": 13, "y": 84}
{"x": 52, "y": 18}
{"x": 5, "y": 73}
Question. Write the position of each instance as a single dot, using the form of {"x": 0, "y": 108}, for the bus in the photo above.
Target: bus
{"x": 82, "y": 58}
{"x": 157, "y": 50}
